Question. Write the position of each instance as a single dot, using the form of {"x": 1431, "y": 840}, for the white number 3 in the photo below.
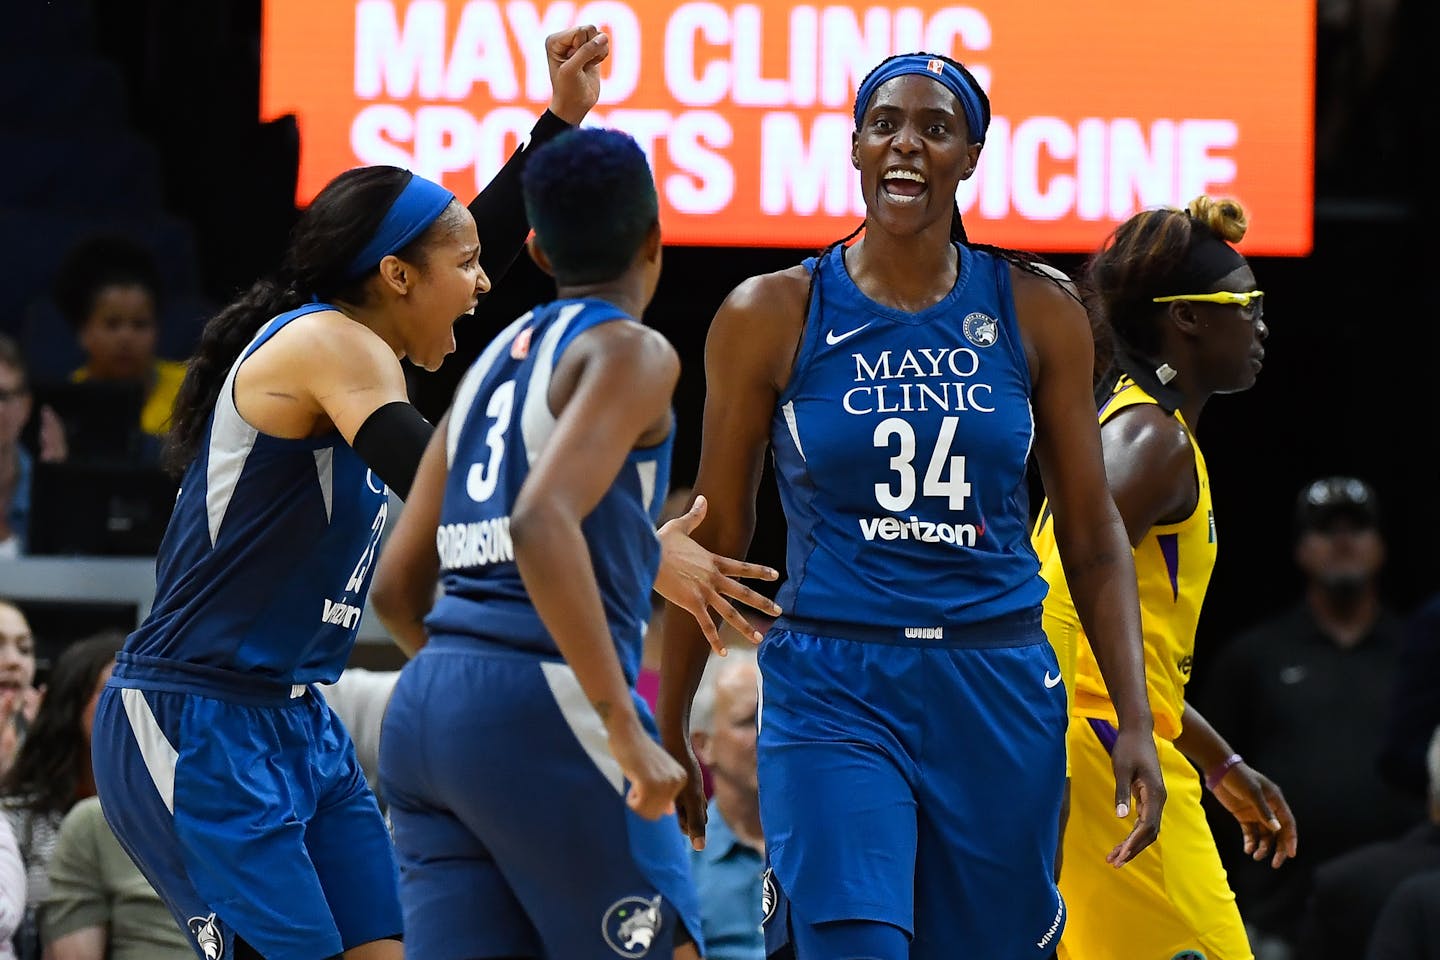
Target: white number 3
{"x": 482, "y": 479}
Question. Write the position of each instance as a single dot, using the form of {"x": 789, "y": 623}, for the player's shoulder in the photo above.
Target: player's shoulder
{"x": 619, "y": 338}
{"x": 1041, "y": 286}
{"x": 326, "y": 346}
{"x": 1149, "y": 426}
{"x": 778, "y": 292}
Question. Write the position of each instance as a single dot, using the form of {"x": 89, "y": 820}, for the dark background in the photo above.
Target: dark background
{"x": 1349, "y": 380}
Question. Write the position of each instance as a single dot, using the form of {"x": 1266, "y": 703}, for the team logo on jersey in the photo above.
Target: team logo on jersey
{"x": 1189, "y": 955}
{"x": 520, "y": 346}
{"x": 981, "y": 329}
{"x": 207, "y": 934}
{"x": 631, "y": 925}
{"x": 769, "y": 894}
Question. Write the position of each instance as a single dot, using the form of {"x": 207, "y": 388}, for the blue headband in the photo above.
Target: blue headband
{"x": 936, "y": 69}
{"x": 418, "y": 205}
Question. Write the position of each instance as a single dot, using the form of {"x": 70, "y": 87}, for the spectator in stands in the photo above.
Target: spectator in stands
{"x": 100, "y": 906}
{"x": 12, "y": 889}
{"x": 16, "y": 463}
{"x": 18, "y": 696}
{"x": 1414, "y": 707}
{"x": 108, "y": 289}
{"x": 728, "y": 869}
{"x": 1350, "y": 890}
{"x": 1409, "y": 926}
{"x": 52, "y": 770}
{"x": 1303, "y": 697}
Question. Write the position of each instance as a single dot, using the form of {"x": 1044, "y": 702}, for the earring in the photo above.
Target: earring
{"x": 1165, "y": 373}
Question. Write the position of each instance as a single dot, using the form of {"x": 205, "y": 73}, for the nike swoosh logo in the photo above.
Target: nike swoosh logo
{"x": 832, "y": 338}
{"x": 1050, "y": 681}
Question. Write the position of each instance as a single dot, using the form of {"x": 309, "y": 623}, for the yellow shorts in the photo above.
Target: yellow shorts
{"x": 1173, "y": 901}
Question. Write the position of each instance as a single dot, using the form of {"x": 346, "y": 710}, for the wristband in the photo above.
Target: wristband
{"x": 1217, "y": 773}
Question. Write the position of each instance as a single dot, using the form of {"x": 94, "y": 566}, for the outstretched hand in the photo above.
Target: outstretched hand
{"x": 1137, "y": 776}
{"x": 697, "y": 580}
{"x": 574, "y": 57}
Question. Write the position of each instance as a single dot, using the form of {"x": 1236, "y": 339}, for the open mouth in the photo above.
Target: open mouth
{"x": 903, "y": 186}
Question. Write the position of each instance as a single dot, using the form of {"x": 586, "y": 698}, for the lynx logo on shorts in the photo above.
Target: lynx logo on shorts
{"x": 981, "y": 329}
{"x": 631, "y": 925}
{"x": 1189, "y": 955}
{"x": 769, "y": 894}
{"x": 207, "y": 934}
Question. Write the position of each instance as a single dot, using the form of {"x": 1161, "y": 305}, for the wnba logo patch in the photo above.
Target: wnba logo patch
{"x": 631, "y": 925}
{"x": 207, "y": 935}
{"x": 520, "y": 346}
{"x": 981, "y": 329}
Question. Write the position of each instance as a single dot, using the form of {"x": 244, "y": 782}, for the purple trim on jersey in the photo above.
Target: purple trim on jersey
{"x": 1105, "y": 732}
{"x": 1170, "y": 550}
{"x": 1111, "y": 399}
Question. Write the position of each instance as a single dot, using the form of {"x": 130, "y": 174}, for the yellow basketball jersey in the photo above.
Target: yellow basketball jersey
{"x": 1172, "y": 566}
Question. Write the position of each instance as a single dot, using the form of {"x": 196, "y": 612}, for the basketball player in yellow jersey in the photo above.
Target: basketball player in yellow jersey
{"x": 1177, "y": 308}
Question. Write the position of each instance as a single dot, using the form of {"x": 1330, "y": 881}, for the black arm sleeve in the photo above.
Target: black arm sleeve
{"x": 391, "y": 441}
{"x": 499, "y": 210}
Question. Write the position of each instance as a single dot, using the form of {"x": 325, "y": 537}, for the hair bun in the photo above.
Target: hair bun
{"x": 1223, "y": 215}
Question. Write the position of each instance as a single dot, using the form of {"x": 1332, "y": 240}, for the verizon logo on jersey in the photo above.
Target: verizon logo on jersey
{"x": 341, "y": 614}
{"x": 926, "y": 531}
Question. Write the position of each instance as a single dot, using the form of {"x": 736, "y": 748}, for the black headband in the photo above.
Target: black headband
{"x": 1207, "y": 260}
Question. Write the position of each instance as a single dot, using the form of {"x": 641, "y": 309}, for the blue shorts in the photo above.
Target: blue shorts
{"x": 510, "y": 820}
{"x": 250, "y": 819}
{"x": 915, "y": 785}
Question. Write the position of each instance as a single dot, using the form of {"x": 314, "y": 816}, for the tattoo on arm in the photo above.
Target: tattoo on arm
{"x": 602, "y": 707}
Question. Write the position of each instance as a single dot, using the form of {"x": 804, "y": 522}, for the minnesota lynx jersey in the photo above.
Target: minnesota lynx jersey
{"x": 900, "y": 449}
{"x": 265, "y": 565}
{"x": 499, "y": 423}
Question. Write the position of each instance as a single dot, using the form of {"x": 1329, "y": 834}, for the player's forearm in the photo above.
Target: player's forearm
{"x": 499, "y": 209}
{"x": 1102, "y": 581}
{"x": 555, "y": 565}
{"x": 1200, "y": 742}
{"x": 683, "y": 656}
{"x": 404, "y": 589}
{"x": 408, "y": 632}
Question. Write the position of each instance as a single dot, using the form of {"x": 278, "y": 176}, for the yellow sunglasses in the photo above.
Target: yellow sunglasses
{"x": 1224, "y": 296}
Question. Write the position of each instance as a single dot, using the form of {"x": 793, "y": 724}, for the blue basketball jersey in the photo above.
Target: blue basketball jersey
{"x": 900, "y": 450}
{"x": 265, "y": 565}
{"x": 499, "y": 423}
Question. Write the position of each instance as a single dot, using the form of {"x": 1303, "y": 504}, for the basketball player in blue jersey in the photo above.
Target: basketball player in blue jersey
{"x": 531, "y": 800}
{"x": 224, "y": 775}
{"x": 912, "y": 735}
